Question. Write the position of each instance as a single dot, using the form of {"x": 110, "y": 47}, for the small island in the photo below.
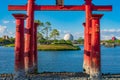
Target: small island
{"x": 62, "y": 47}
{"x": 47, "y": 45}
{"x": 58, "y": 45}
{"x": 48, "y": 39}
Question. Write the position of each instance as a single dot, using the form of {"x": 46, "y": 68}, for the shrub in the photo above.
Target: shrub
{"x": 62, "y": 42}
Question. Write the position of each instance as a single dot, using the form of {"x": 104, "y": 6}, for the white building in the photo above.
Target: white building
{"x": 68, "y": 37}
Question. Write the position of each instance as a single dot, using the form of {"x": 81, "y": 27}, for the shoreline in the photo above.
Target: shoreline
{"x": 59, "y": 76}
{"x": 53, "y": 47}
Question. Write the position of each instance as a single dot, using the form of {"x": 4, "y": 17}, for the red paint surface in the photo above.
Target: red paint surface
{"x": 59, "y": 8}
{"x": 17, "y": 7}
{"x": 95, "y": 43}
{"x": 19, "y": 48}
{"x": 87, "y": 42}
{"x": 35, "y": 59}
{"x": 29, "y": 33}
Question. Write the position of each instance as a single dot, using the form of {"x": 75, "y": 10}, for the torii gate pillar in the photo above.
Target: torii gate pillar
{"x": 84, "y": 57}
{"x": 19, "y": 44}
{"x": 35, "y": 59}
{"x": 87, "y": 41}
{"x": 29, "y": 45}
{"x": 95, "y": 57}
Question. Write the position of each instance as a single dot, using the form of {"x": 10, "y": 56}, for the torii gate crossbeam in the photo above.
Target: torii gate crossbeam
{"x": 59, "y": 8}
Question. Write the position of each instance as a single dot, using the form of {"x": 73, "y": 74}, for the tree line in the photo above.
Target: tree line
{"x": 7, "y": 41}
{"x": 45, "y": 35}
{"x": 46, "y": 32}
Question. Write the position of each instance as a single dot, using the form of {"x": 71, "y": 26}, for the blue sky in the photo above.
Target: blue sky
{"x": 65, "y": 22}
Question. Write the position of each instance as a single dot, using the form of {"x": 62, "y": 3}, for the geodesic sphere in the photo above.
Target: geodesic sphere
{"x": 68, "y": 37}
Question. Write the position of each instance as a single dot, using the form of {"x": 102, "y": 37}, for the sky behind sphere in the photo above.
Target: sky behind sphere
{"x": 64, "y": 21}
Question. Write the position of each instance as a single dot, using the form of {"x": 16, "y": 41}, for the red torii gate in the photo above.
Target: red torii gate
{"x": 88, "y": 7}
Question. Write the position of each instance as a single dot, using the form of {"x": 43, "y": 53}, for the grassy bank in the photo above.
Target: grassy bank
{"x": 53, "y": 47}
{"x": 59, "y": 47}
{"x": 10, "y": 45}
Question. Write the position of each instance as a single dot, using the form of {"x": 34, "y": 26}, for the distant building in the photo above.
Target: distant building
{"x": 5, "y": 37}
{"x": 114, "y": 38}
{"x": 68, "y": 37}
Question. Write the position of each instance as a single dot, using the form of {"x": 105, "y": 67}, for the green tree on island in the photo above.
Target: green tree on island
{"x": 80, "y": 40}
{"x": 40, "y": 26}
{"x": 46, "y": 29}
{"x": 1, "y": 40}
{"x": 39, "y": 36}
{"x": 54, "y": 34}
{"x": 39, "y": 31}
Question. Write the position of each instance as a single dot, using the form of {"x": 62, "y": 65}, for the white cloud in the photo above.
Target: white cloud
{"x": 59, "y": 30}
{"x": 109, "y": 33}
{"x": 110, "y": 30}
{"x": 6, "y": 21}
{"x": 2, "y": 29}
{"x": 118, "y": 30}
{"x": 66, "y": 31}
{"x": 62, "y": 33}
{"x": 5, "y": 31}
{"x": 78, "y": 35}
{"x": 13, "y": 21}
{"x": 106, "y": 34}
{"x": 11, "y": 33}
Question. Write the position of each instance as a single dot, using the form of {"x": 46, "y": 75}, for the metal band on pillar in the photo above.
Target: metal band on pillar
{"x": 19, "y": 44}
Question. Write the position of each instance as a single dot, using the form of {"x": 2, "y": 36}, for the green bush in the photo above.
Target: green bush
{"x": 110, "y": 41}
{"x": 117, "y": 41}
{"x": 62, "y": 42}
{"x": 44, "y": 41}
{"x": 69, "y": 42}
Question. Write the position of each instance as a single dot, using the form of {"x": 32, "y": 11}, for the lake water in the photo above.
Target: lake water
{"x": 63, "y": 61}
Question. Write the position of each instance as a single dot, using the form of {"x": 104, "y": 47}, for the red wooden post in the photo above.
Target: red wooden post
{"x": 95, "y": 67}
{"x": 59, "y": 8}
{"x": 19, "y": 44}
{"x": 29, "y": 37}
{"x": 84, "y": 25}
{"x": 87, "y": 47}
{"x": 35, "y": 62}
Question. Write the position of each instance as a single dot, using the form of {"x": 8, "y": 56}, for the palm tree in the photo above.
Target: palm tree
{"x": 39, "y": 30}
{"x": 39, "y": 36}
{"x": 41, "y": 24}
{"x": 46, "y": 29}
{"x": 54, "y": 34}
